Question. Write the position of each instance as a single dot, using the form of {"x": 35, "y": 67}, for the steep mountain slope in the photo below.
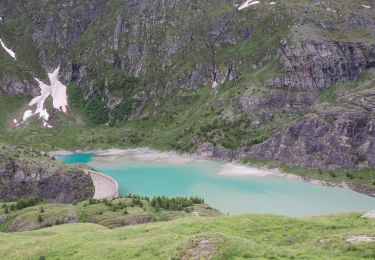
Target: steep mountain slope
{"x": 290, "y": 81}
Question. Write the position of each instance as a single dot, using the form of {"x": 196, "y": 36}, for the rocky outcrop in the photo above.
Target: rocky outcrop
{"x": 318, "y": 65}
{"x": 17, "y": 87}
{"x": 42, "y": 179}
{"x": 209, "y": 151}
{"x": 61, "y": 30}
{"x": 337, "y": 138}
{"x": 263, "y": 106}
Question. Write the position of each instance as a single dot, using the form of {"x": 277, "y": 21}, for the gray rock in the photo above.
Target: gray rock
{"x": 3, "y": 219}
{"x": 318, "y": 65}
{"x": 47, "y": 181}
{"x": 333, "y": 139}
{"x": 18, "y": 87}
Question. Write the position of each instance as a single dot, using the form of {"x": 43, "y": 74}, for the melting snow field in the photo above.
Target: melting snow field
{"x": 249, "y": 3}
{"x": 56, "y": 90}
{"x": 9, "y": 51}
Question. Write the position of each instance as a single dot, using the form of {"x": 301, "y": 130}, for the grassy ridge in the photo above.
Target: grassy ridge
{"x": 131, "y": 210}
{"x": 238, "y": 237}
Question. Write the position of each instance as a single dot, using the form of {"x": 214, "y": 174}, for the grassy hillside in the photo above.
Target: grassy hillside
{"x": 30, "y": 214}
{"x": 238, "y": 237}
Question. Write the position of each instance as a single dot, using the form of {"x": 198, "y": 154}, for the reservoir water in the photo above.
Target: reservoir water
{"x": 231, "y": 195}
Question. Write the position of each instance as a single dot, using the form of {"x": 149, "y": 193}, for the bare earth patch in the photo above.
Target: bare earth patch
{"x": 357, "y": 239}
{"x": 203, "y": 249}
{"x": 370, "y": 214}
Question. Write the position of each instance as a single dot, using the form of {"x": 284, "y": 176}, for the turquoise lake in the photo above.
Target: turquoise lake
{"x": 231, "y": 195}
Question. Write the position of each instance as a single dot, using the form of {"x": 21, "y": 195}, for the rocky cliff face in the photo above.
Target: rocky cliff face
{"x": 17, "y": 87}
{"x": 318, "y": 65}
{"x": 40, "y": 177}
{"x": 337, "y": 138}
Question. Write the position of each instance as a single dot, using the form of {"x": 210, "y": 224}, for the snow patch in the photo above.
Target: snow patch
{"x": 56, "y": 90}
{"x": 45, "y": 92}
{"x": 366, "y": 6}
{"x": 45, "y": 124}
{"x": 214, "y": 86}
{"x": 330, "y": 10}
{"x": 27, "y": 115}
{"x": 9, "y": 51}
{"x": 43, "y": 114}
{"x": 247, "y": 4}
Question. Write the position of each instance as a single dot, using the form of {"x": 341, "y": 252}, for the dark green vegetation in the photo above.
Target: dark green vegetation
{"x": 179, "y": 120}
{"x": 93, "y": 109}
{"x": 31, "y": 213}
{"x": 238, "y": 237}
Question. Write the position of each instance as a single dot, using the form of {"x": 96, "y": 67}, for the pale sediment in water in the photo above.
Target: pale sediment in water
{"x": 141, "y": 154}
{"x": 230, "y": 169}
{"x": 60, "y": 153}
{"x": 112, "y": 156}
{"x": 233, "y": 169}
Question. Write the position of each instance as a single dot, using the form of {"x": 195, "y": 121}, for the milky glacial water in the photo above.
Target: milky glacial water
{"x": 231, "y": 195}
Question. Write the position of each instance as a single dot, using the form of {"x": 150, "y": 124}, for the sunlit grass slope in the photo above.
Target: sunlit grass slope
{"x": 237, "y": 237}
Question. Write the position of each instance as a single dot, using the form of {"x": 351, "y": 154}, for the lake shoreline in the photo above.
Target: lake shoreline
{"x": 230, "y": 168}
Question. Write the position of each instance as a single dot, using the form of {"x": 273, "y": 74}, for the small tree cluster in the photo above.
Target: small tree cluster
{"x": 21, "y": 204}
{"x": 118, "y": 206}
{"x": 178, "y": 203}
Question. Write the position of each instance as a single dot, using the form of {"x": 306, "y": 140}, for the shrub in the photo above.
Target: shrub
{"x": 178, "y": 203}
{"x": 349, "y": 176}
{"x": 93, "y": 201}
{"x": 40, "y": 218}
{"x": 27, "y": 202}
{"x": 94, "y": 108}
